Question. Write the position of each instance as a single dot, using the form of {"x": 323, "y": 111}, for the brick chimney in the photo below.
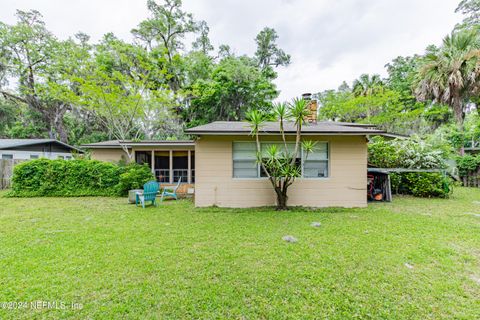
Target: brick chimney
{"x": 312, "y": 108}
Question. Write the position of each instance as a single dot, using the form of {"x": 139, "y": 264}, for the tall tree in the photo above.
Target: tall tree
{"x": 39, "y": 64}
{"x": 224, "y": 51}
{"x": 164, "y": 32}
{"x": 7, "y": 114}
{"x": 202, "y": 43}
{"x": 268, "y": 53}
{"x": 471, "y": 10}
{"x": 401, "y": 76}
{"x": 235, "y": 86}
{"x": 120, "y": 87}
{"x": 451, "y": 75}
{"x": 367, "y": 85}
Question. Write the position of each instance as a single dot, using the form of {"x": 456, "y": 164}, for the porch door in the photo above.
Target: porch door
{"x": 180, "y": 166}
{"x": 162, "y": 166}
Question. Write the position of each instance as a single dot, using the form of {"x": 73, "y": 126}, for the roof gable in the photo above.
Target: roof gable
{"x": 6, "y": 144}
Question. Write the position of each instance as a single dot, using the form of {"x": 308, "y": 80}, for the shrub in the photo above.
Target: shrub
{"x": 421, "y": 184}
{"x": 62, "y": 178}
{"x": 467, "y": 164}
{"x": 410, "y": 153}
{"x": 133, "y": 177}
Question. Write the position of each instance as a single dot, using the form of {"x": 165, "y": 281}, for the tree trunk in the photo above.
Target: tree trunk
{"x": 459, "y": 117}
{"x": 60, "y": 128}
{"x": 458, "y": 111}
{"x": 281, "y": 199}
{"x": 56, "y": 127}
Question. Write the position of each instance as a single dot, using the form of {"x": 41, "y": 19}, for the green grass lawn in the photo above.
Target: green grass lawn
{"x": 411, "y": 259}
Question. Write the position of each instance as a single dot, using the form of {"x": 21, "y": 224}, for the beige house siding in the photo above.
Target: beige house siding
{"x": 345, "y": 186}
{"x": 108, "y": 155}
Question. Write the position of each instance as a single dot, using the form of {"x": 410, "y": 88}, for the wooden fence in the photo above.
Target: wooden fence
{"x": 472, "y": 179}
{"x": 6, "y": 172}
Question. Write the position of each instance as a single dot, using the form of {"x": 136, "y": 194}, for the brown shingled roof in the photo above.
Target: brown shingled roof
{"x": 130, "y": 143}
{"x": 239, "y": 127}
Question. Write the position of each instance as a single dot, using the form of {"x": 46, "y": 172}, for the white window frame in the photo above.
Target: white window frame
{"x": 7, "y": 154}
{"x": 328, "y": 163}
{"x": 233, "y": 163}
{"x": 301, "y": 157}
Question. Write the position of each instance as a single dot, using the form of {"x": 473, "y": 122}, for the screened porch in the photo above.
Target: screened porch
{"x": 169, "y": 166}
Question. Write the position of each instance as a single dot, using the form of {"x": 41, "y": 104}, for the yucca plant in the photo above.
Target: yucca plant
{"x": 280, "y": 166}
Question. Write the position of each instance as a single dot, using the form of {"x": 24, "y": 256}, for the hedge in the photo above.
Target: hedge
{"x": 421, "y": 184}
{"x": 74, "y": 178}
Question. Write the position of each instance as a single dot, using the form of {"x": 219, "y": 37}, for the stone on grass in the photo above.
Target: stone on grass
{"x": 408, "y": 265}
{"x": 290, "y": 239}
{"x": 316, "y": 224}
{"x": 476, "y": 215}
{"x": 475, "y": 278}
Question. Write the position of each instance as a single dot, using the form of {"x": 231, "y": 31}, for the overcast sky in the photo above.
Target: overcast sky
{"x": 329, "y": 40}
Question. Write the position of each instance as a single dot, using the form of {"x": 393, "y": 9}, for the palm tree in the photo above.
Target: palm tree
{"x": 367, "y": 85}
{"x": 450, "y": 74}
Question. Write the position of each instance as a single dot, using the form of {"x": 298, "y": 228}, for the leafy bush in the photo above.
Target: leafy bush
{"x": 421, "y": 184}
{"x": 467, "y": 164}
{"x": 133, "y": 177}
{"x": 62, "y": 178}
{"x": 410, "y": 153}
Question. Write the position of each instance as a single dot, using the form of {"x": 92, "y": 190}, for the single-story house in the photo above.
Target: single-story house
{"x": 335, "y": 174}
{"x": 219, "y": 165}
{"x": 26, "y": 149}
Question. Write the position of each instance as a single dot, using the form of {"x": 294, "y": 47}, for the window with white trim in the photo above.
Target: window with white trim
{"x": 34, "y": 156}
{"x": 245, "y": 160}
{"x": 314, "y": 164}
{"x": 7, "y": 156}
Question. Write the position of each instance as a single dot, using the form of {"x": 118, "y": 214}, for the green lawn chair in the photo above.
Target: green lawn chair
{"x": 171, "y": 191}
{"x": 150, "y": 191}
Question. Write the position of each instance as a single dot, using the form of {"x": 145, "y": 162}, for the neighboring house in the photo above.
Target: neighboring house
{"x": 26, "y": 149}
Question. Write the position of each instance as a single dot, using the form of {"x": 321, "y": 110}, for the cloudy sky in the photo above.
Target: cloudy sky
{"x": 329, "y": 40}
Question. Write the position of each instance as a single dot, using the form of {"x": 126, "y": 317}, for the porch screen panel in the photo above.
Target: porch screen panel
{"x": 315, "y": 164}
{"x": 244, "y": 160}
{"x": 142, "y": 157}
